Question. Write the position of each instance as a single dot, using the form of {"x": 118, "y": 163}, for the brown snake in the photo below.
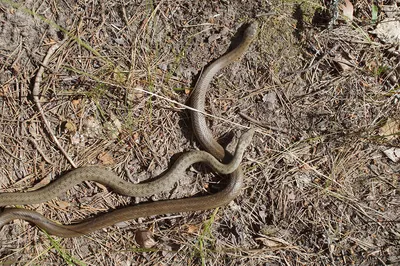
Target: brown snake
{"x": 153, "y": 208}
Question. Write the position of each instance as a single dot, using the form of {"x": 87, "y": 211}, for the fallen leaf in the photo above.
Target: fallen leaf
{"x": 192, "y": 228}
{"x": 63, "y": 204}
{"x": 4, "y": 90}
{"x": 270, "y": 99}
{"x": 136, "y": 137}
{"x": 76, "y": 102}
{"x": 16, "y": 68}
{"x": 225, "y": 106}
{"x": 77, "y": 138}
{"x": 111, "y": 130}
{"x": 50, "y": 42}
{"x": 70, "y": 126}
{"x": 391, "y": 129}
{"x": 117, "y": 124}
{"x": 347, "y": 10}
{"x": 92, "y": 127}
{"x": 144, "y": 238}
{"x": 268, "y": 242}
{"x": 45, "y": 181}
{"x": 102, "y": 187}
{"x": 393, "y": 154}
{"x": 135, "y": 94}
{"x": 388, "y": 31}
{"x": 344, "y": 64}
{"x": 105, "y": 158}
{"x": 42, "y": 167}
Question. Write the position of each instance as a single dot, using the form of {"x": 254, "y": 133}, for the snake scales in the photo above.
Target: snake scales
{"x": 108, "y": 178}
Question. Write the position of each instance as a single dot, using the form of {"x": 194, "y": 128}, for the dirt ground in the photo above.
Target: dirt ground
{"x": 324, "y": 98}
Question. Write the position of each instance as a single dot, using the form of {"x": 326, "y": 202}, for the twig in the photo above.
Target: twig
{"x": 36, "y": 146}
{"x": 261, "y": 124}
{"x": 9, "y": 152}
{"x": 184, "y": 106}
{"x": 35, "y": 95}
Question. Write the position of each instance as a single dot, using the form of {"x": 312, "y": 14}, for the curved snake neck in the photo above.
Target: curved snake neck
{"x": 198, "y": 97}
{"x": 203, "y": 135}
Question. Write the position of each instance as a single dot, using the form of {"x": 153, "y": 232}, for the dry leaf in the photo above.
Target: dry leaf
{"x": 105, "y": 158}
{"x": 135, "y": 94}
{"x": 393, "y": 154}
{"x": 388, "y": 30}
{"x": 144, "y": 238}
{"x": 390, "y": 129}
{"x": 50, "y": 42}
{"x": 192, "y": 228}
{"x": 16, "y": 68}
{"x": 63, "y": 204}
{"x": 76, "y": 102}
{"x": 76, "y": 138}
{"x": 343, "y": 61}
{"x": 45, "y": 181}
{"x": 225, "y": 106}
{"x": 4, "y": 90}
{"x": 92, "y": 127}
{"x": 111, "y": 130}
{"x": 348, "y": 10}
{"x": 117, "y": 124}
{"x": 136, "y": 137}
{"x": 42, "y": 166}
{"x": 102, "y": 187}
{"x": 70, "y": 126}
{"x": 268, "y": 242}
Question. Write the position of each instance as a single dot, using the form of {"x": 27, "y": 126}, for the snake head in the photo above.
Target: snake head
{"x": 246, "y": 138}
{"x": 251, "y": 30}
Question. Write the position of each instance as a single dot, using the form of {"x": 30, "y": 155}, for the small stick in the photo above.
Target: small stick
{"x": 35, "y": 94}
{"x": 261, "y": 124}
{"x": 9, "y": 152}
{"x": 36, "y": 146}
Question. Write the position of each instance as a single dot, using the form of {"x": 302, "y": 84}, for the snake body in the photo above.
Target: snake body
{"x": 205, "y": 138}
{"x": 200, "y": 128}
{"x": 110, "y": 179}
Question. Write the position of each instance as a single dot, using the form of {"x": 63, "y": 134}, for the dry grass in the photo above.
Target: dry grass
{"x": 319, "y": 190}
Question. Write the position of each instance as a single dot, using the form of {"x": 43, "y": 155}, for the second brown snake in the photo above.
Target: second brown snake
{"x": 106, "y": 177}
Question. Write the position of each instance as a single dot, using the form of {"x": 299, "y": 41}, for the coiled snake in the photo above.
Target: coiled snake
{"x": 108, "y": 178}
